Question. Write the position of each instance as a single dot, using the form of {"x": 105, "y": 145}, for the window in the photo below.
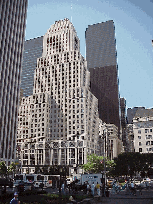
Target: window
{"x": 140, "y": 144}
{"x": 150, "y": 130}
{"x": 148, "y": 136}
{"x": 139, "y": 131}
{"x": 140, "y": 149}
{"x": 146, "y": 130}
{"x": 139, "y": 137}
{"x": 149, "y": 149}
{"x": 148, "y": 143}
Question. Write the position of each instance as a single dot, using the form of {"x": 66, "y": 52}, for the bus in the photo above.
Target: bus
{"x": 47, "y": 181}
{"x": 37, "y": 180}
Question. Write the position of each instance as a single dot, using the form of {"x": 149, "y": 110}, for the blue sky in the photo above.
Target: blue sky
{"x": 133, "y": 28}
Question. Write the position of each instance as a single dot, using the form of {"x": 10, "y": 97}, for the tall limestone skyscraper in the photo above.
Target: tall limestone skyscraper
{"x": 59, "y": 123}
{"x": 12, "y": 31}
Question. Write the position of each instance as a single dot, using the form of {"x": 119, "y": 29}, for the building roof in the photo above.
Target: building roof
{"x": 140, "y": 113}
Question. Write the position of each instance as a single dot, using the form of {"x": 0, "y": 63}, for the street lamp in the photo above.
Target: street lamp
{"x": 103, "y": 180}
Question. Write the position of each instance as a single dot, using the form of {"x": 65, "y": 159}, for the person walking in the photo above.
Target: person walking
{"x": 93, "y": 189}
{"x": 84, "y": 188}
{"x": 88, "y": 187}
{"x": 15, "y": 199}
{"x": 133, "y": 188}
{"x": 63, "y": 189}
{"x": 98, "y": 188}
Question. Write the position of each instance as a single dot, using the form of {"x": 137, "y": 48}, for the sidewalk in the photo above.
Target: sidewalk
{"x": 143, "y": 195}
{"x": 123, "y": 198}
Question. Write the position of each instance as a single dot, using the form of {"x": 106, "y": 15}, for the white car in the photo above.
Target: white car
{"x": 137, "y": 182}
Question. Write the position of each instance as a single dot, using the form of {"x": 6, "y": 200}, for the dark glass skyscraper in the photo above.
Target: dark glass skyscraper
{"x": 12, "y": 27}
{"x": 101, "y": 58}
{"x": 32, "y": 51}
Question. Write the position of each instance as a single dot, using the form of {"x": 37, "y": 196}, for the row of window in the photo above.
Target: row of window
{"x": 147, "y": 149}
{"x": 147, "y": 143}
{"x": 146, "y": 131}
{"x": 147, "y": 137}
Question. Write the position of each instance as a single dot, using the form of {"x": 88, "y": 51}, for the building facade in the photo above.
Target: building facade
{"x": 110, "y": 145}
{"x": 130, "y": 138}
{"x": 103, "y": 138}
{"x": 59, "y": 123}
{"x": 123, "y": 122}
{"x": 13, "y": 21}
{"x": 131, "y": 113}
{"x": 32, "y": 50}
{"x": 143, "y": 131}
{"x": 101, "y": 58}
{"x": 115, "y": 144}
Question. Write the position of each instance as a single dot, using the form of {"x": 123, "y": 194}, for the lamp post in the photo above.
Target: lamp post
{"x": 104, "y": 172}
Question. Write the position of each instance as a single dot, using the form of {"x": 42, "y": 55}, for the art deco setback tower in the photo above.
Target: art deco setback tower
{"x": 32, "y": 50}
{"x": 102, "y": 64}
{"x": 12, "y": 27}
{"x": 59, "y": 123}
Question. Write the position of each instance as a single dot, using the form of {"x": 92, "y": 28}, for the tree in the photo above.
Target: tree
{"x": 95, "y": 164}
{"x": 3, "y": 169}
{"x": 146, "y": 164}
{"x": 12, "y": 168}
{"x": 128, "y": 163}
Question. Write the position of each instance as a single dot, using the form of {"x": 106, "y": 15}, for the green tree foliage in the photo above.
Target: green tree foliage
{"x": 3, "y": 169}
{"x": 95, "y": 164}
{"x": 128, "y": 163}
{"x": 12, "y": 167}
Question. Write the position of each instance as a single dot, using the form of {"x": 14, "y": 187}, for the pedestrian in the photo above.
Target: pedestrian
{"x": 15, "y": 199}
{"x": 84, "y": 188}
{"x": 103, "y": 188}
{"x": 88, "y": 187}
{"x": 133, "y": 188}
{"x": 147, "y": 184}
{"x": 98, "y": 188}
{"x": 93, "y": 189}
{"x": 63, "y": 188}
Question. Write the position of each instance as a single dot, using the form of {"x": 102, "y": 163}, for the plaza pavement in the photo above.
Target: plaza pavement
{"x": 123, "y": 198}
